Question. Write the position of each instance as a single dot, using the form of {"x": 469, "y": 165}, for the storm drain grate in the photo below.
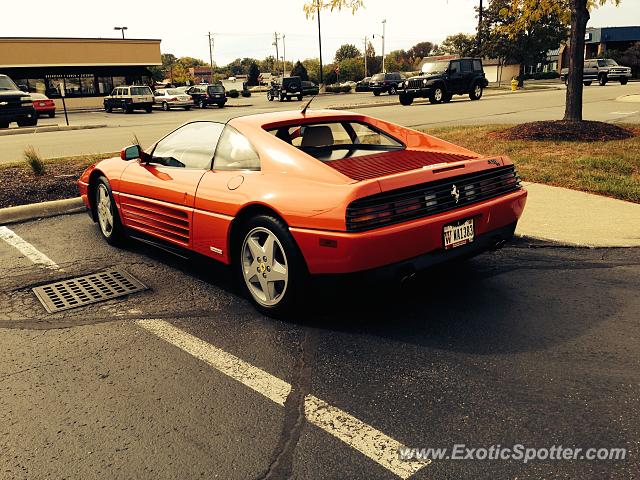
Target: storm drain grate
{"x": 77, "y": 292}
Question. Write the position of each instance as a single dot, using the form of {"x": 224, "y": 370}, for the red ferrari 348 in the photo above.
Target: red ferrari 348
{"x": 281, "y": 196}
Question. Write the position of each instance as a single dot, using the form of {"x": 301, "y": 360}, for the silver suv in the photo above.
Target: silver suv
{"x": 602, "y": 70}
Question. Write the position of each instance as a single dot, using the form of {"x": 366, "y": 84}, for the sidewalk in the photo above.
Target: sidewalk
{"x": 578, "y": 218}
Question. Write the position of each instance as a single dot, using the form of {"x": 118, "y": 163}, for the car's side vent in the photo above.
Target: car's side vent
{"x": 168, "y": 223}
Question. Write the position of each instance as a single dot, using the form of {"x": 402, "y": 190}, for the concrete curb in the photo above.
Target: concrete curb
{"x": 49, "y": 128}
{"x": 631, "y": 98}
{"x": 23, "y": 213}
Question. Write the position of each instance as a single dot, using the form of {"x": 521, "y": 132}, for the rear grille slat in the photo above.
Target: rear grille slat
{"x": 393, "y": 207}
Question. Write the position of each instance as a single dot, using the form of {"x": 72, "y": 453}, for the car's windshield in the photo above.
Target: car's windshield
{"x": 7, "y": 84}
{"x": 607, "y": 63}
{"x": 435, "y": 67}
{"x": 377, "y": 77}
{"x": 216, "y": 88}
{"x": 336, "y": 140}
{"x": 140, "y": 90}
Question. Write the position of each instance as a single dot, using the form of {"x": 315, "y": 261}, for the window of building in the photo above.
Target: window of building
{"x": 105, "y": 85}
{"x": 117, "y": 81}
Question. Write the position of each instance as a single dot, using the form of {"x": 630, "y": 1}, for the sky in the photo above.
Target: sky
{"x": 245, "y": 28}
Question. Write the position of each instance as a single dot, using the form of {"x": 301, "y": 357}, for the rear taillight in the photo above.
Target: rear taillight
{"x": 174, "y": 99}
{"x": 372, "y": 213}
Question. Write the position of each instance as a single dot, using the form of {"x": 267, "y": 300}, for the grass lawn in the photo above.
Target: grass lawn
{"x": 607, "y": 168}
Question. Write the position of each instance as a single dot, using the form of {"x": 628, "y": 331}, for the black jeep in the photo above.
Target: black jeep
{"x": 15, "y": 105}
{"x": 285, "y": 88}
{"x": 439, "y": 81}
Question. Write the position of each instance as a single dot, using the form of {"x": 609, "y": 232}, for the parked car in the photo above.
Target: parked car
{"x": 204, "y": 95}
{"x": 15, "y": 105}
{"x": 43, "y": 105}
{"x": 309, "y": 88}
{"x": 130, "y": 98}
{"x": 386, "y": 83}
{"x": 363, "y": 85}
{"x": 285, "y": 88}
{"x": 440, "y": 81}
{"x": 602, "y": 70}
{"x": 353, "y": 187}
{"x": 168, "y": 98}
{"x": 349, "y": 83}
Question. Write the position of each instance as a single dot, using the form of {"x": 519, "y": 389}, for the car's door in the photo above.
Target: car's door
{"x": 222, "y": 191}
{"x": 455, "y": 76}
{"x": 157, "y": 192}
{"x": 467, "y": 75}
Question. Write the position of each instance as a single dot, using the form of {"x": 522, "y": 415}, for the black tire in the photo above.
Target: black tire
{"x": 587, "y": 83}
{"x": 52, "y": 114}
{"x": 405, "y": 99}
{"x": 128, "y": 109}
{"x": 221, "y": 105}
{"x": 281, "y": 98}
{"x": 299, "y": 98}
{"x": 4, "y": 124}
{"x": 376, "y": 93}
{"x": 286, "y": 250}
{"x": 602, "y": 80}
{"x": 393, "y": 91}
{"x": 624, "y": 81}
{"x": 476, "y": 92}
{"x": 447, "y": 97}
{"x": 187, "y": 108}
{"x": 28, "y": 123}
{"x": 270, "y": 96}
{"x": 202, "y": 103}
{"x": 116, "y": 235}
{"x": 108, "y": 108}
{"x": 148, "y": 109}
{"x": 566, "y": 81}
{"x": 165, "y": 106}
{"x": 437, "y": 95}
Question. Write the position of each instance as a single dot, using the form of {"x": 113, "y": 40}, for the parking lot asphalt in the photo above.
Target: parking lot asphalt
{"x": 600, "y": 104}
{"x": 534, "y": 344}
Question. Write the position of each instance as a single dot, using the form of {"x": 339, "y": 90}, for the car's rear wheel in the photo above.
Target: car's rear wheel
{"x": 128, "y": 109}
{"x": 586, "y": 84}
{"x": 299, "y": 98}
{"x": 202, "y": 104}
{"x": 107, "y": 212}
{"x": 165, "y": 106}
{"x": 393, "y": 91}
{"x": 32, "y": 122}
{"x": 376, "y": 93}
{"x": 476, "y": 92}
{"x": 437, "y": 95}
{"x": 148, "y": 109}
{"x": 221, "y": 105}
{"x": 187, "y": 108}
{"x": 108, "y": 109}
{"x": 624, "y": 80}
{"x": 52, "y": 114}
{"x": 406, "y": 99}
{"x": 4, "y": 125}
{"x": 270, "y": 96}
{"x": 270, "y": 265}
{"x": 602, "y": 80}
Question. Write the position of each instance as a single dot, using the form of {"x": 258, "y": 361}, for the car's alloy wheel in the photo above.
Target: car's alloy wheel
{"x": 393, "y": 91}
{"x": 602, "y": 80}
{"x": 269, "y": 96}
{"x": 264, "y": 266}
{"x": 437, "y": 95}
{"x": 202, "y": 104}
{"x": 165, "y": 106}
{"x": 476, "y": 93}
{"x": 107, "y": 213}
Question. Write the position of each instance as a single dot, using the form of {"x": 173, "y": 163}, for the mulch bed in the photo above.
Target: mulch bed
{"x": 561, "y": 130}
{"x": 19, "y": 186}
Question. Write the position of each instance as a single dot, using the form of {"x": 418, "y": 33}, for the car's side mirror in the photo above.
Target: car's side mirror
{"x": 131, "y": 152}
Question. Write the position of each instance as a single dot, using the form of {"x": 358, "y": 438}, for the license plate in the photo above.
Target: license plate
{"x": 42, "y": 104}
{"x": 456, "y": 235}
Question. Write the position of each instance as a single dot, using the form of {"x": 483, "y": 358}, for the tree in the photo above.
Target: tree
{"x": 398, "y": 60}
{"x": 347, "y": 51}
{"x": 298, "y": 70}
{"x": 312, "y": 66}
{"x": 460, "y": 44}
{"x": 190, "y": 62}
{"x": 268, "y": 64}
{"x": 311, "y": 7}
{"x": 528, "y": 45}
{"x": 575, "y": 12}
{"x": 420, "y": 50}
{"x": 351, "y": 69}
{"x": 254, "y": 75}
{"x": 631, "y": 58}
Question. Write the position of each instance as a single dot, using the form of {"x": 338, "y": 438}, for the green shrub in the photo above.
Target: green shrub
{"x": 32, "y": 157}
{"x": 245, "y": 93}
{"x": 233, "y": 93}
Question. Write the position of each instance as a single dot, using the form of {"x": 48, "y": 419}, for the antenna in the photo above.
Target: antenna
{"x": 304, "y": 110}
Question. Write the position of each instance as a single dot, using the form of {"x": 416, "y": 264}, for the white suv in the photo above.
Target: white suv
{"x": 129, "y": 99}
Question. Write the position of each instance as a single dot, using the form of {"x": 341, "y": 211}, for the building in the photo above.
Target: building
{"x": 599, "y": 41}
{"x": 86, "y": 68}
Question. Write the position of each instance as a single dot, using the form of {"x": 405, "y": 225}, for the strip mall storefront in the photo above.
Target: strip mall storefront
{"x": 87, "y": 68}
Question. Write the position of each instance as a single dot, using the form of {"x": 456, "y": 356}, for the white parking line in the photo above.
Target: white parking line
{"x": 355, "y": 433}
{"x": 28, "y": 250}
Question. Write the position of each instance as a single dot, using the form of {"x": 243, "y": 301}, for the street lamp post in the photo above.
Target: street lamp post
{"x": 284, "y": 57}
{"x": 384, "y": 24}
{"x": 211, "y": 40}
{"x": 319, "y": 41}
{"x": 122, "y": 29}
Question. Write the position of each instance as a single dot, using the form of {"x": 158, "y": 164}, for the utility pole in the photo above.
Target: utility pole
{"x": 211, "y": 40}
{"x": 384, "y": 23}
{"x": 276, "y": 37}
{"x": 122, "y": 29}
{"x": 319, "y": 41}
{"x": 479, "y": 38}
{"x": 284, "y": 57}
{"x": 365, "y": 56}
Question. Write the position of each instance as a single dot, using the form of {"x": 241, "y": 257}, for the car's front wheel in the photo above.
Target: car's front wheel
{"x": 202, "y": 104}
{"x": 107, "y": 212}
{"x": 437, "y": 95}
{"x": 624, "y": 80}
{"x": 406, "y": 99}
{"x": 602, "y": 80}
{"x": 393, "y": 91}
{"x": 270, "y": 96}
{"x": 587, "y": 83}
{"x": 165, "y": 106}
{"x": 270, "y": 266}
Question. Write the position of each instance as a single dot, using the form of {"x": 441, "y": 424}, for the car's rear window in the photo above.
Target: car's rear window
{"x": 216, "y": 88}
{"x": 140, "y": 91}
{"x": 377, "y": 77}
{"x": 336, "y": 140}
{"x": 174, "y": 91}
